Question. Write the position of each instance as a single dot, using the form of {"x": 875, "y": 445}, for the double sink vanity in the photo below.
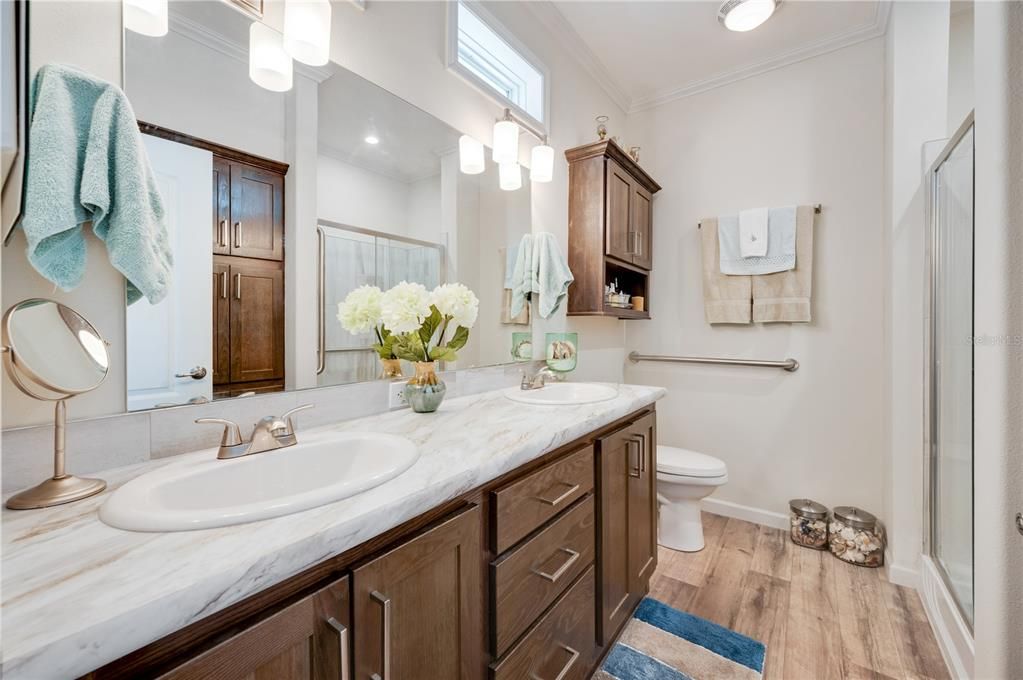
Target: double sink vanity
{"x": 488, "y": 540}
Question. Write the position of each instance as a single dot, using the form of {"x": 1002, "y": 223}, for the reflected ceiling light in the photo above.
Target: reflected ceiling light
{"x": 148, "y": 17}
{"x": 372, "y": 139}
{"x": 269, "y": 65}
{"x": 745, "y": 15}
{"x": 541, "y": 163}
{"x": 307, "y": 30}
{"x": 510, "y": 176}
{"x": 470, "y": 155}
{"x": 506, "y": 142}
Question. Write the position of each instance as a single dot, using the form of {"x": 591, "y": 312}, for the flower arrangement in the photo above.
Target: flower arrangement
{"x": 361, "y": 312}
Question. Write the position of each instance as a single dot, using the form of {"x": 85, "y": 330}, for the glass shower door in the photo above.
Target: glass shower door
{"x": 952, "y": 346}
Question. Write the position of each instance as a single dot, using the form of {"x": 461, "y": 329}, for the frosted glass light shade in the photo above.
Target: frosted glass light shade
{"x": 307, "y": 30}
{"x": 470, "y": 155}
{"x": 506, "y": 142}
{"x": 148, "y": 17}
{"x": 541, "y": 166}
{"x": 269, "y": 65}
{"x": 510, "y": 176}
{"x": 745, "y": 15}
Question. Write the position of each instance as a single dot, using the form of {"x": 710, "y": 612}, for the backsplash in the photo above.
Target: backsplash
{"x": 96, "y": 444}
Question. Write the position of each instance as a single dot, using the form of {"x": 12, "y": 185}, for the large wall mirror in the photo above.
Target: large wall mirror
{"x": 281, "y": 203}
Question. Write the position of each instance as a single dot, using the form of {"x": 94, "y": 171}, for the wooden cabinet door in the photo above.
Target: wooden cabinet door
{"x": 257, "y": 213}
{"x": 221, "y": 207}
{"x": 257, "y": 322}
{"x": 642, "y": 504}
{"x": 308, "y": 640}
{"x": 419, "y": 608}
{"x": 221, "y": 323}
{"x": 616, "y": 452}
{"x": 642, "y": 243}
{"x": 618, "y": 234}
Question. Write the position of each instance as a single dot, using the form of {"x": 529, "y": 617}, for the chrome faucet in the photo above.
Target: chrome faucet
{"x": 540, "y": 378}
{"x": 270, "y": 433}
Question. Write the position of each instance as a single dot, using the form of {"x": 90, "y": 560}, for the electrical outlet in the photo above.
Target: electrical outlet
{"x": 396, "y": 394}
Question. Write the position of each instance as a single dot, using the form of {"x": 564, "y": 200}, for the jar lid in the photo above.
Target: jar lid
{"x": 854, "y": 517}
{"x": 804, "y": 507}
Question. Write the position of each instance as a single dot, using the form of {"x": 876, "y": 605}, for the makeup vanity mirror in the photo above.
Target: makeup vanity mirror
{"x": 281, "y": 203}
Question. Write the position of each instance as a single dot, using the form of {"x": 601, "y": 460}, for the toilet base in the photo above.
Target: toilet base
{"x": 681, "y": 526}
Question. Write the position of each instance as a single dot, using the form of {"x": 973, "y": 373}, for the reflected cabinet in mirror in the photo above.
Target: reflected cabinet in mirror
{"x": 281, "y": 204}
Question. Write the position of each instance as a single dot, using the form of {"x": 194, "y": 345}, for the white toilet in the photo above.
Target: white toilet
{"x": 684, "y": 478}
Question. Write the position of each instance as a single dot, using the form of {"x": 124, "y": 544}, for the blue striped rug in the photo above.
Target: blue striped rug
{"x": 662, "y": 643}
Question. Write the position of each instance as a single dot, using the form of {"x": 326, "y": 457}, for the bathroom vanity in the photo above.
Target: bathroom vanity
{"x": 517, "y": 546}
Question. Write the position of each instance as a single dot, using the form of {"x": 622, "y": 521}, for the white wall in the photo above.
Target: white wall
{"x": 960, "y": 64}
{"x": 359, "y": 198}
{"x": 807, "y": 133}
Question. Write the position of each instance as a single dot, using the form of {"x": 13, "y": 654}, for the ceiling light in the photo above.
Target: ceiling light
{"x": 506, "y": 142}
{"x": 745, "y": 15}
{"x": 541, "y": 165}
{"x": 269, "y": 65}
{"x": 307, "y": 30}
{"x": 470, "y": 155}
{"x": 510, "y": 176}
{"x": 372, "y": 139}
{"x": 148, "y": 17}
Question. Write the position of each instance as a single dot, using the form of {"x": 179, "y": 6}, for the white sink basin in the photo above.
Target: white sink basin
{"x": 563, "y": 394}
{"x": 199, "y": 491}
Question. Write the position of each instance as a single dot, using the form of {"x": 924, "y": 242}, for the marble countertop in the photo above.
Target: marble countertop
{"x": 77, "y": 594}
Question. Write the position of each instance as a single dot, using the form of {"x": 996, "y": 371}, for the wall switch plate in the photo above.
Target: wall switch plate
{"x": 396, "y": 394}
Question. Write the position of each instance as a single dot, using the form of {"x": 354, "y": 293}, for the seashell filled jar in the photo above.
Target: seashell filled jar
{"x": 856, "y": 537}
{"x": 808, "y": 522}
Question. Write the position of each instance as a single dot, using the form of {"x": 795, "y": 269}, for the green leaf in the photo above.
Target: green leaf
{"x": 431, "y": 324}
{"x": 459, "y": 339}
{"x": 409, "y": 347}
{"x": 386, "y": 348}
{"x": 444, "y": 354}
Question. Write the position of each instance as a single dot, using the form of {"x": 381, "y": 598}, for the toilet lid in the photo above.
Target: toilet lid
{"x": 675, "y": 461}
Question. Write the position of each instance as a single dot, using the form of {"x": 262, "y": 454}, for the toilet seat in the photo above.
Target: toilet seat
{"x": 673, "y": 461}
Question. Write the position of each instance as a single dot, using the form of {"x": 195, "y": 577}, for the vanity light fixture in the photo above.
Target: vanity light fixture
{"x": 510, "y": 176}
{"x": 506, "y": 140}
{"x": 148, "y": 17}
{"x": 745, "y": 15}
{"x": 541, "y": 163}
{"x": 470, "y": 155}
{"x": 372, "y": 139}
{"x": 307, "y": 30}
{"x": 269, "y": 65}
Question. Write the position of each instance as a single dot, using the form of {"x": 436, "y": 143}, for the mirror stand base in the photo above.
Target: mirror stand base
{"x": 56, "y": 491}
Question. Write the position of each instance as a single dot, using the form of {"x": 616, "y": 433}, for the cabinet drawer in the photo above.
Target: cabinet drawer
{"x": 524, "y": 505}
{"x": 562, "y": 645}
{"x": 530, "y": 577}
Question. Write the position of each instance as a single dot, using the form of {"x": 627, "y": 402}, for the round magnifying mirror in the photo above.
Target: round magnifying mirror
{"x": 52, "y": 352}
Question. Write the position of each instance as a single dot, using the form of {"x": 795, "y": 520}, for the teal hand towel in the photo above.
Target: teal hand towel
{"x": 87, "y": 164}
{"x": 551, "y": 275}
{"x": 522, "y": 275}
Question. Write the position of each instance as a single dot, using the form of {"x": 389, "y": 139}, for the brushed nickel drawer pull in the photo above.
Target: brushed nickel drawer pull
{"x": 560, "y": 499}
{"x": 237, "y": 234}
{"x": 642, "y": 452}
{"x": 342, "y": 641}
{"x": 573, "y": 657}
{"x": 637, "y": 471}
{"x": 385, "y": 643}
{"x": 560, "y": 571}
{"x": 222, "y": 233}
{"x": 237, "y": 286}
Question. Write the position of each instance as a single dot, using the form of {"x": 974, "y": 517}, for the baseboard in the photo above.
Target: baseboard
{"x": 954, "y": 636}
{"x": 756, "y": 515}
{"x": 899, "y": 574}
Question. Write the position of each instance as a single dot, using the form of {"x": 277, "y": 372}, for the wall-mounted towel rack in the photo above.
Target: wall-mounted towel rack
{"x": 816, "y": 211}
{"x": 789, "y": 365}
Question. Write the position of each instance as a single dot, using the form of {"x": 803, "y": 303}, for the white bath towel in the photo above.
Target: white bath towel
{"x": 781, "y": 245}
{"x": 753, "y": 232}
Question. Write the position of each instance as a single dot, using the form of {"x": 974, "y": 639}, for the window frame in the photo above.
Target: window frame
{"x": 456, "y": 67}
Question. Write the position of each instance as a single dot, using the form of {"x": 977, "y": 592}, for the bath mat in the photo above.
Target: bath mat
{"x": 662, "y": 643}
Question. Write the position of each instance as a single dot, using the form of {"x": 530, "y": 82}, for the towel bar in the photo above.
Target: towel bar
{"x": 816, "y": 211}
{"x": 789, "y": 365}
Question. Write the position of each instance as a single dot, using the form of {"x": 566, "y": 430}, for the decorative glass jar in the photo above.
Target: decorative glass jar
{"x": 808, "y": 523}
{"x": 856, "y": 537}
{"x": 424, "y": 391}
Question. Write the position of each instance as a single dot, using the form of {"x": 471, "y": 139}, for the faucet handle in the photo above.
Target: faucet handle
{"x": 232, "y": 435}
{"x": 287, "y": 417}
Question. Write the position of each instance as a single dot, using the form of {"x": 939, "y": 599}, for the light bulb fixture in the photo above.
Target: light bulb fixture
{"x": 372, "y": 139}
{"x": 506, "y": 141}
{"x": 745, "y": 15}
{"x": 148, "y": 17}
{"x": 510, "y": 176}
{"x": 470, "y": 155}
{"x": 269, "y": 65}
{"x": 307, "y": 30}
{"x": 541, "y": 163}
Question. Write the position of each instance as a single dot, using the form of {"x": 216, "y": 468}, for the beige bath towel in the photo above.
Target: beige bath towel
{"x": 726, "y": 299}
{"x": 506, "y": 316}
{"x": 785, "y": 296}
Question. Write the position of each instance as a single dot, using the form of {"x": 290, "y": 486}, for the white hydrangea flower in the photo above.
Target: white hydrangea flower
{"x": 458, "y": 302}
{"x": 360, "y": 311}
{"x": 404, "y": 307}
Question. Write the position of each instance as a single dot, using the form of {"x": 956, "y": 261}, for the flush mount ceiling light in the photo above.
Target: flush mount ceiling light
{"x": 307, "y": 30}
{"x": 148, "y": 17}
{"x": 745, "y": 15}
{"x": 470, "y": 155}
{"x": 372, "y": 139}
{"x": 269, "y": 65}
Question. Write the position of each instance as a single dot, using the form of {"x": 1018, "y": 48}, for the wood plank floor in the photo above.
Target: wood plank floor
{"x": 820, "y": 618}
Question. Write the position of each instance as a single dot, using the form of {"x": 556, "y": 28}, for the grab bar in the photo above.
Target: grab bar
{"x": 789, "y": 365}
{"x": 321, "y": 330}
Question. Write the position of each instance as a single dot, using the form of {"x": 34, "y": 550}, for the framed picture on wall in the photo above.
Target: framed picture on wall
{"x": 14, "y": 112}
